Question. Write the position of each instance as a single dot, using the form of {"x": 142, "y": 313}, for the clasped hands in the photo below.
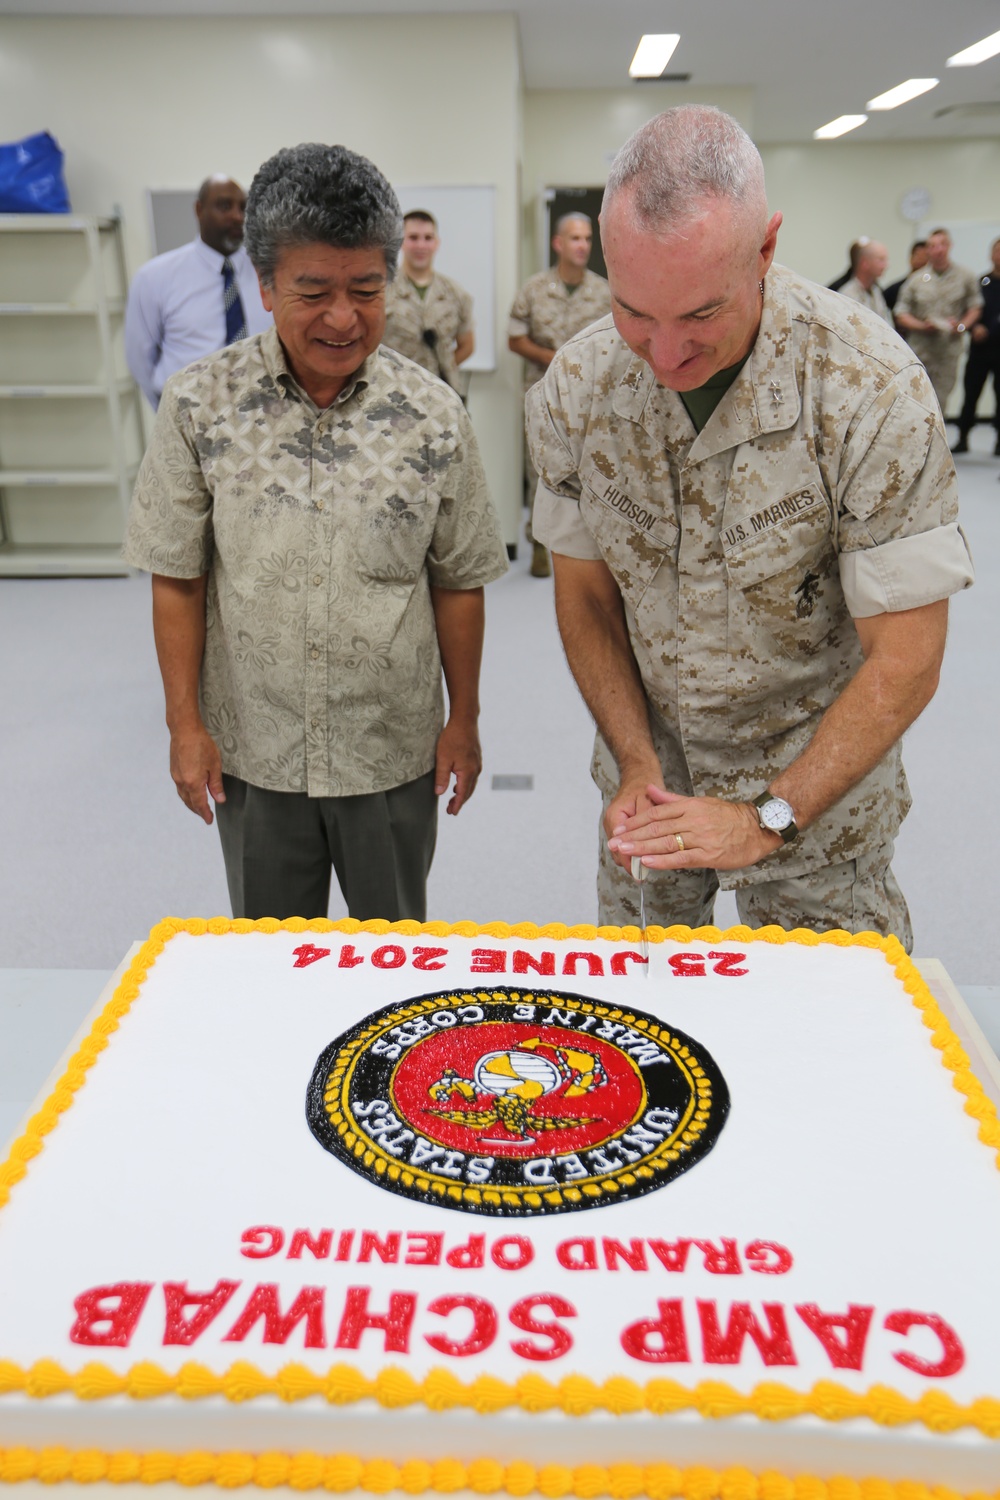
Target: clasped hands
{"x": 646, "y": 821}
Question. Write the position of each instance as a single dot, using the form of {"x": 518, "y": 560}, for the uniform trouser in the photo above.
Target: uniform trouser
{"x": 859, "y": 895}
{"x": 940, "y": 356}
{"x": 983, "y": 361}
{"x": 279, "y": 848}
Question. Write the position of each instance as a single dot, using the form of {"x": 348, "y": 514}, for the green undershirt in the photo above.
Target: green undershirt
{"x": 701, "y": 403}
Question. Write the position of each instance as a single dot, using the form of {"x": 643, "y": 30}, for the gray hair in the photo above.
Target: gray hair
{"x": 574, "y": 217}
{"x": 328, "y": 195}
{"x": 682, "y": 157}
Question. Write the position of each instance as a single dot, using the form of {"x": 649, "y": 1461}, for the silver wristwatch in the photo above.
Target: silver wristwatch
{"x": 775, "y": 815}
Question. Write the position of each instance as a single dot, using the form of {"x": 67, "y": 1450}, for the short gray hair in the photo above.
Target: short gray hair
{"x": 682, "y": 157}
{"x": 574, "y": 216}
{"x": 327, "y": 195}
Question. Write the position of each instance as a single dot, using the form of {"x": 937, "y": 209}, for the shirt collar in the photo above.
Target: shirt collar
{"x": 277, "y": 367}
{"x": 214, "y": 258}
{"x": 764, "y": 397}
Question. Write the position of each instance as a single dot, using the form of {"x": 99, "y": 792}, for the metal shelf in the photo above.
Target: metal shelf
{"x": 55, "y": 223}
{"x": 61, "y": 478}
{"x": 45, "y": 392}
{"x": 115, "y": 306}
{"x": 46, "y": 453}
{"x": 55, "y": 561}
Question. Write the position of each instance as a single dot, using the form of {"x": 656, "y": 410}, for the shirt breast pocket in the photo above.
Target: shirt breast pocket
{"x": 783, "y": 571}
{"x": 635, "y": 537}
{"x": 395, "y": 533}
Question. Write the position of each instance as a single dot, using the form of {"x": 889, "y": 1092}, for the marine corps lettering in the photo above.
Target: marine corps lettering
{"x": 771, "y": 515}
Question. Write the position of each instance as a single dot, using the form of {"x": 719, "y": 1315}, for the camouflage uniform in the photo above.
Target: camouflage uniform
{"x": 820, "y": 489}
{"x": 948, "y": 294}
{"x": 321, "y": 532}
{"x": 870, "y": 297}
{"x": 445, "y": 311}
{"x": 548, "y": 314}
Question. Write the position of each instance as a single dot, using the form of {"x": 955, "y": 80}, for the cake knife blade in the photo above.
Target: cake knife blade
{"x": 639, "y": 876}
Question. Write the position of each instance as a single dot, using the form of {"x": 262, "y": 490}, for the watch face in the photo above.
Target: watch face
{"x": 776, "y": 814}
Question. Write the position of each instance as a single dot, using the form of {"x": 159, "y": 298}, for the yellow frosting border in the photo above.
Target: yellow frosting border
{"x": 574, "y": 1395}
{"x": 340, "y": 1473}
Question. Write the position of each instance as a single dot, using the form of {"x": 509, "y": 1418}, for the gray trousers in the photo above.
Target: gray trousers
{"x": 279, "y": 848}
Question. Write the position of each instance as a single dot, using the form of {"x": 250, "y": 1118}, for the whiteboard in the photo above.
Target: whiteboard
{"x": 172, "y": 219}
{"x": 465, "y": 218}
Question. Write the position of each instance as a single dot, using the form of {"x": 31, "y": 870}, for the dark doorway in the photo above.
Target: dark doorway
{"x": 569, "y": 200}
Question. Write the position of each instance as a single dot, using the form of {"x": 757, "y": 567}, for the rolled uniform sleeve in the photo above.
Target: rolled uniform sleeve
{"x": 900, "y": 543}
{"x": 467, "y": 549}
{"x": 905, "y": 300}
{"x": 169, "y": 528}
{"x": 519, "y": 322}
{"x": 556, "y": 520}
{"x": 466, "y": 322}
{"x": 973, "y": 292}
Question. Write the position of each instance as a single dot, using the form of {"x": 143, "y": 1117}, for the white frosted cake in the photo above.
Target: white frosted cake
{"x": 509, "y": 1210}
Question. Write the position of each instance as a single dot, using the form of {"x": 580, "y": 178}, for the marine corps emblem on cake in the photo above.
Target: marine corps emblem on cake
{"x": 511, "y": 1102}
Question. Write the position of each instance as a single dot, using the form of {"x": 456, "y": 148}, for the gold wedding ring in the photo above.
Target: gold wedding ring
{"x": 680, "y": 844}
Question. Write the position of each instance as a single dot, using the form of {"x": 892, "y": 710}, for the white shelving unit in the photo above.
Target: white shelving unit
{"x": 70, "y": 424}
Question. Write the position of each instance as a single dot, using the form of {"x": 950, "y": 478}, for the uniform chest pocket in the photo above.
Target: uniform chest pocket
{"x": 634, "y": 534}
{"x": 782, "y": 566}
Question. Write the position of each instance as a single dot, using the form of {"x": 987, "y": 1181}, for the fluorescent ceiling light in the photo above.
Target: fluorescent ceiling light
{"x": 840, "y": 126}
{"x": 652, "y": 55}
{"x": 977, "y": 53}
{"x": 902, "y": 93}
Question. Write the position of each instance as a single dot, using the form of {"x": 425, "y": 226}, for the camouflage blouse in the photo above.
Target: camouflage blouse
{"x": 820, "y": 490}
{"x": 548, "y": 313}
{"x": 321, "y": 532}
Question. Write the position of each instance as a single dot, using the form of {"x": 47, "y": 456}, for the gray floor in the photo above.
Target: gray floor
{"x": 95, "y": 847}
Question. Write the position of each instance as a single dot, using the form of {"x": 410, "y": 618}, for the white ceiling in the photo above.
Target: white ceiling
{"x": 806, "y": 60}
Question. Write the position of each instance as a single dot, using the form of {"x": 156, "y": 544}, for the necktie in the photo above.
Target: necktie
{"x": 236, "y": 323}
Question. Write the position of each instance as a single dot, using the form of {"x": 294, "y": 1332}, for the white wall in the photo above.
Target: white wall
{"x": 146, "y": 102}
{"x": 830, "y": 192}
{"x": 571, "y": 136}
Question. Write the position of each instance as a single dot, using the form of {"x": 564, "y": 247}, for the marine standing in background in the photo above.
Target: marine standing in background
{"x": 935, "y": 309}
{"x": 870, "y": 263}
{"x": 918, "y": 259}
{"x": 984, "y": 357}
{"x": 428, "y": 317}
{"x": 550, "y": 308}
{"x": 189, "y": 302}
{"x": 752, "y": 511}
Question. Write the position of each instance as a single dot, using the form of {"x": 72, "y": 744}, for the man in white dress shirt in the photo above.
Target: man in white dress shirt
{"x": 192, "y": 301}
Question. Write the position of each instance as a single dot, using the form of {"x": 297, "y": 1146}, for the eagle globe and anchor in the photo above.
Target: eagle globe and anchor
{"x": 514, "y": 1102}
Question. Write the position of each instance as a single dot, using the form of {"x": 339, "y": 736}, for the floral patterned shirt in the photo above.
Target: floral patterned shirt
{"x": 322, "y": 532}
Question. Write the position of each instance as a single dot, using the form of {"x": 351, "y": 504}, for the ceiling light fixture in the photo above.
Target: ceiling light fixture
{"x": 652, "y": 55}
{"x": 977, "y": 53}
{"x": 902, "y": 93}
{"x": 840, "y": 126}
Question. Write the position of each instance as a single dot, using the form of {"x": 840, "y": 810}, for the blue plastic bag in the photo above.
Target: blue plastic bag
{"x": 31, "y": 177}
